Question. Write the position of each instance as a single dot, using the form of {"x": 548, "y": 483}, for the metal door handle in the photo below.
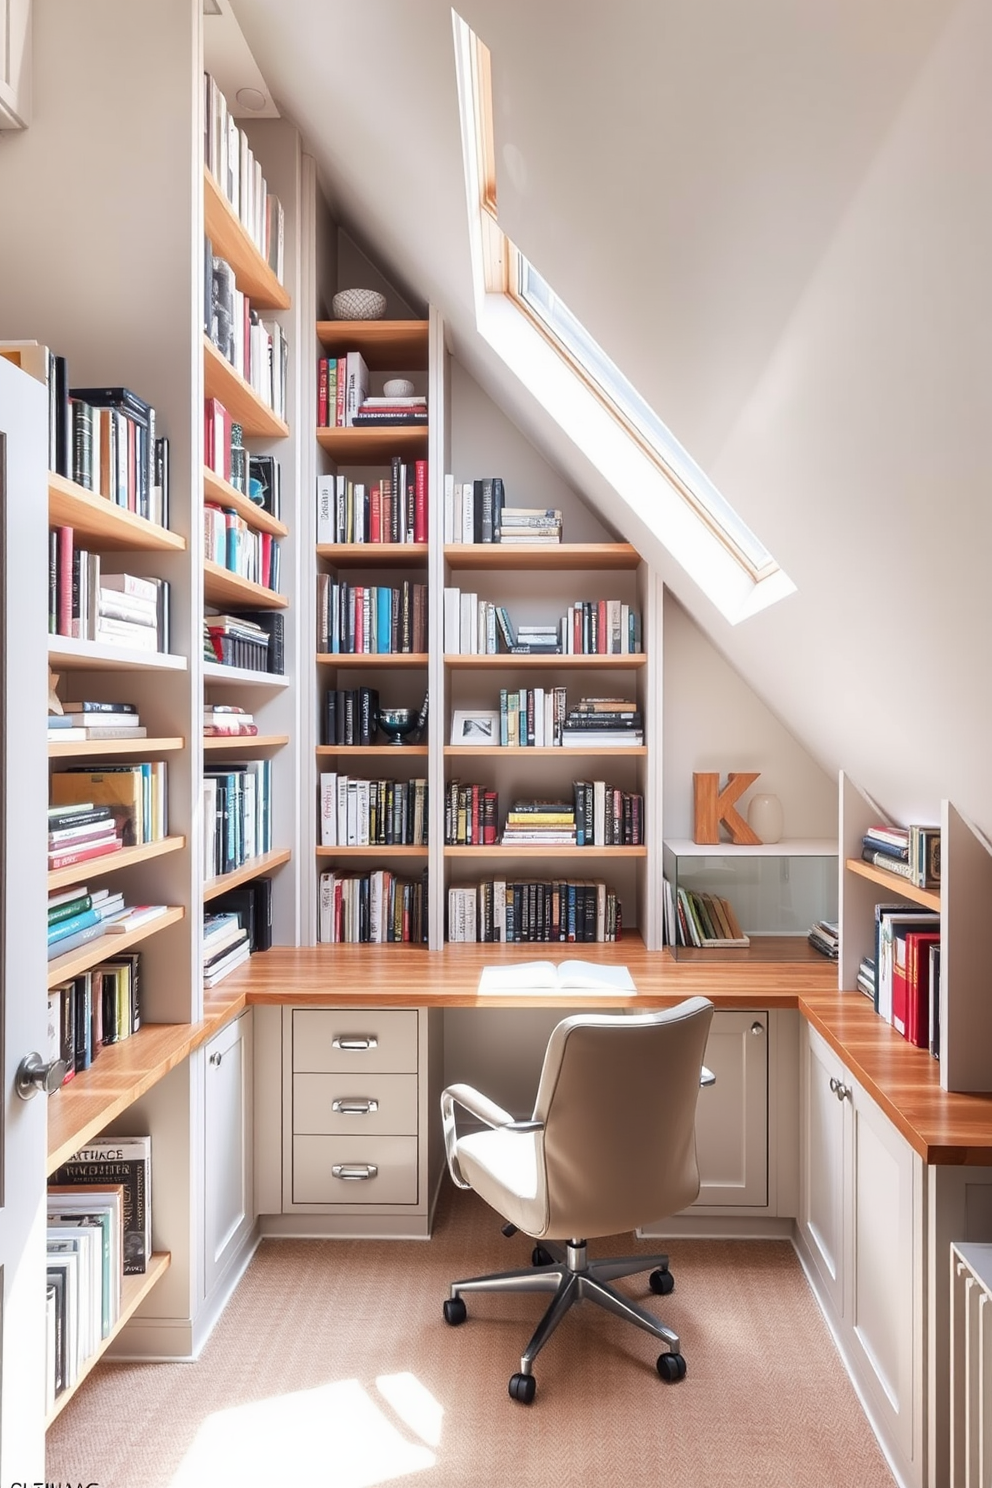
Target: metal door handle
{"x": 354, "y": 1172}
{"x": 353, "y": 1041}
{"x": 354, "y": 1106}
{"x": 216, "y": 1057}
{"x": 33, "y": 1074}
{"x": 757, "y": 1027}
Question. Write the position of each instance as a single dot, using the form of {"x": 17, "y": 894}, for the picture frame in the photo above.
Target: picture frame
{"x": 477, "y": 727}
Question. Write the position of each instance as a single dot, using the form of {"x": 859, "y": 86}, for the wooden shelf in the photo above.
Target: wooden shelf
{"x": 542, "y": 556}
{"x": 243, "y": 743}
{"x": 221, "y": 381}
{"x": 544, "y": 850}
{"x": 222, "y": 493}
{"x": 231, "y": 240}
{"x": 65, "y": 651}
{"x": 96, "y": 518}
{"x": 386, "y": 345}
{"x": 374, "y": 444}
{"x": 544, "y": 751}
{"x": 105, "y": 748}
{"x": 73, "y": 963}
{"x": 892, "y": 883}
{"x": 386, "y": 752}
{"x": 786, "y": 847}
{"x": 254, "y": 868}
{"x": 399, "y": 851}
{"x": 124, "y": 857}
{"x": 230, "y": 676}
{"x": 505, "y": 662}
{"x": 373, "y": 555}
{"x": 224, "y": 588}
{"x": 134, "y": 1290}
{"x": 376, "y": 659}
{"x": 764, "y": 949}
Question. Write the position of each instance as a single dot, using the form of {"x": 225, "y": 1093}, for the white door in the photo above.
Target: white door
{"x": 732, "y": 1115}
{"x": 23, "y": 775}
{"x": 825, "y": 1142}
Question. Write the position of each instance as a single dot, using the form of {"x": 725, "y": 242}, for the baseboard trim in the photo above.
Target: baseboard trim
{"x": 212, "y": 1306}
{"x": 721, "y": 1227}
{"x": 344, "y": 1227}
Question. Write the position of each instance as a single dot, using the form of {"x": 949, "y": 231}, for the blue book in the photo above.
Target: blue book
{"x": 71, "y": 942}
{"x": 63, "y": 928}
{"x": 385, "y": 617}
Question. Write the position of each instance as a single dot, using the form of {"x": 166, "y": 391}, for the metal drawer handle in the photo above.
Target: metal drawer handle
{"x": 354, "y": 1041}
{"x": 354, "y": 1106}
{"x": 354, "y": 1172}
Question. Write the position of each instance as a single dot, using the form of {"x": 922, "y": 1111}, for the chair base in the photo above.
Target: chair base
{"x": 573, "y": 1278}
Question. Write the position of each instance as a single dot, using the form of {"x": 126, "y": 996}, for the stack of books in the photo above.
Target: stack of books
{"x": 706, "y": 921}
{"x": 824, "y": 937}
{"x": 371, "y": 908}
{"x": 866, "y": 977}
{"x": 133, "y": 796}
{"x": 85, "y": 1247}
{"x": 225, "y": 946}
{"x": 598, "y": 721}
{"x": 113, "y": 608}
{"x": 392, "y": 509}
{"x": 78, "y": 915}
{"x": 410, "y": 410}
{"x": 527, "y": 524}
{"x": 234, "y": 640}
{"x": 548, "y": 822}
{"x": 96, "y": 720}
{"x": 911, "y": 852}
{"x": 80, "y": 831}
{"x": 228, "y": 721}
{"x": 520, "y": 911}
{"x": 351, "y": 715}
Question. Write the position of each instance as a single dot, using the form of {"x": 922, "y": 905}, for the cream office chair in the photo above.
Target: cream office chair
{"x": 611, "y": 1145}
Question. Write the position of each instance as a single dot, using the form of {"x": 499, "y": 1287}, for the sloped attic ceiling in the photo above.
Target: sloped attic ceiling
{"x": 777, "y": 219}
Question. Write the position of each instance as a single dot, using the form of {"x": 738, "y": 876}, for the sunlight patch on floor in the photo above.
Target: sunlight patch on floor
{"x": 336, "y": 1436}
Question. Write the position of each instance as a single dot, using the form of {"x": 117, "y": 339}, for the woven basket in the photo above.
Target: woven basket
{"x": 359, "y": 304}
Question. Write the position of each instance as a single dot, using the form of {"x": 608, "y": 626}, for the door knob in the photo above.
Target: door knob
{"x": 33, "y": 1074}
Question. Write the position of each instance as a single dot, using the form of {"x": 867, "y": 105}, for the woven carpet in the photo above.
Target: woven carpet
{"x": 331, "y": 1367}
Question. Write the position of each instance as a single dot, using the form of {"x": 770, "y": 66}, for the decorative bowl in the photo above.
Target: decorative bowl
{"x": 359, "y": 304}
{"x": 398, "y": 387}
{"x": 396, "y": 723}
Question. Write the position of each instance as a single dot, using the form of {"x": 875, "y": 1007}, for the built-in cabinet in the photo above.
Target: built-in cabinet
{"x": 228, "y": 1158}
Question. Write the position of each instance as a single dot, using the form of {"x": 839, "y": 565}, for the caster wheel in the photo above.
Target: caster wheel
{"x": 541, "y": 1257}
{"x": 454, "y": 1311}
{"x": 522, "y": 1387}
{"x": 509, "y": 1230}
{"x": 662, "y": 1283}
{"x": 671, "y": 1367}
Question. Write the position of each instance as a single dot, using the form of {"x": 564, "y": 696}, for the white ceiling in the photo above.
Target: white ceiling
{"x": 777, "y": 219}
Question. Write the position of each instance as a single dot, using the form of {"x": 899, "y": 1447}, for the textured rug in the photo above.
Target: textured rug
{"x": 332, "y": 1368}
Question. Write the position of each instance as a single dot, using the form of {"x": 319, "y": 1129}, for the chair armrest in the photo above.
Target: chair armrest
{"x": 706, "y": 1077}
{"x": 481, "y": 1107}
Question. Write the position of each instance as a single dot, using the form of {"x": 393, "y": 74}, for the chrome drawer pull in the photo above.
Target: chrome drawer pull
{"x": 353, "y": 1041}
{"x": 354, "y": 1106}
{"x": 354, "y": 1172}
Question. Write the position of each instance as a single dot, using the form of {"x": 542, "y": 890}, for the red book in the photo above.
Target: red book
{"x": 420, "y": 501}
{"x": 918, "y": 943}
{"x": 375, "y": 514}
{"x": 602, "y": 632}
{"x": 208, "y": 433}
{"x": 577, "y": 645}
{"x": 95, "y": 850}
{"x": 266, "y": 559}
{"x": 359, "y": 600}
{"x": 339, "y": 394}
{"x": 475, "y": 824}
{"x": 322, "y": 393}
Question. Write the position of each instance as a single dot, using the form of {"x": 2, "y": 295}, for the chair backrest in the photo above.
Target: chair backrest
{"x": 617, "y": 1097}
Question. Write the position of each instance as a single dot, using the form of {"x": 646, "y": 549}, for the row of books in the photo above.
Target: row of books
{"x": 226, "y": 945}
{"x": 77, "y": 916}
{"x": 344, "y": 401}
{"x": 696, "y": 918}
{"x": 478, "y": 627}
{"x": 471, "y": 815}
{"x": 256, "y": 476}
{"x": 253, "y": 639}
{"x": 393, "y": 509}
{"x": 351, "y": 716}
{"x": 99, "y": 1229}
{"x": 906, "y": 962}
{"x": 911, "y": 852}
{"x": 475, "y": 511}
{"x": 372, "y": 908}
{"x": 364, "y": 619}
{"x": 89, "y": 1012}
{"x": 230, "y": 541}
{"x": 523, "y": 910}
{"x": 89, "y": 720}
{"x": 251, "y": 904}
{"x": 255, "y": 347}
{"x": 134, "y": 795}
{"x": 90, "y": 604}
{"x": 237, "y": 815}
{"x": 372, "y": 813}
{"x": 540, "y": 718}
{"x": 232, "y": 163}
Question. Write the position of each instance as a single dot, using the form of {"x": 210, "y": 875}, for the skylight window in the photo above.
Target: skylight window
{"x": 596, "y": 404}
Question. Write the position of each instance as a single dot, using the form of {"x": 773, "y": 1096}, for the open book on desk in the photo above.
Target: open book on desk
{"x": 549, "y": 976}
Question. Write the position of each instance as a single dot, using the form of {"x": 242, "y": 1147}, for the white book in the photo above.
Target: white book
{"x": 209, "y": 800}
{"x": 342, "y": 811}
{"x": 599, "y": 813}
{"x": 130, "y": 584}
{"x": 326, "y": 508}
{"x": 468, "y": 512}
{"x": 467, "y": 613}
{"x": 249, "y": 813}
{"x": 351, "y": 839}
{"x": 325, "y": 908}
{"x": 449, "y": 509}
{"x": 452, "y": 621}
{"x": 362, "y": 813}
{"x": 456, "y": 534}
{"x": 329, "y": 809}
{"x": 565, "y": 976}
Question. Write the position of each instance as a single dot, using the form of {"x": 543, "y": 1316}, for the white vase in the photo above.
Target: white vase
{"x": 764, "y": 816}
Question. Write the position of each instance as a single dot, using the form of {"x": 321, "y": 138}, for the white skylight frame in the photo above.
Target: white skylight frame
{"x": 547, "y": 347}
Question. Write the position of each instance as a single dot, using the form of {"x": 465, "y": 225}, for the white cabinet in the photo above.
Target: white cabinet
{"x": 861, "y": 1232}
{"x": 732, "y": 1115}
{"x": 228, "y": 1214}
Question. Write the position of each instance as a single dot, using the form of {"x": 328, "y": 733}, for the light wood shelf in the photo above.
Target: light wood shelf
{"x": 222, "y": 587}
{"x": 543, "y": 850}
{"x": 544, "y": 751}
{"x": 399, "y": 850}
{"x": 542, "y": 556}
{"x": 505, "y": 661}
{"x": 73, "y": 963}
{"x": 231, "y": 240}
{"x": 124, "y": 857}
{"x": 222, "y": 493}
{"x": 222, "y": 381}
{"x": 242, "y": 743}
{"x": 105, "y": 748}
{"x": 134, "y": 1290}
{"x": 66, "y": 651}
{"x": 385, "y": 752}
{"x": 891, "y": 882}
{"x": 377, "y": 660}
{"x": 374, "y": 444}
{"x": 373, "y": 555}
{"x": 229, "y": 676}
{"x": 386, "y": 345}
{"x": 99, "y": 521}
{"x": 254, "y": 868}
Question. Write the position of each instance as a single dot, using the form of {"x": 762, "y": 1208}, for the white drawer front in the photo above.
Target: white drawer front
{"x": 373, "y": 1170}
{"x": 354, "y": 1104}
{"x": 332, "y": 1039}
